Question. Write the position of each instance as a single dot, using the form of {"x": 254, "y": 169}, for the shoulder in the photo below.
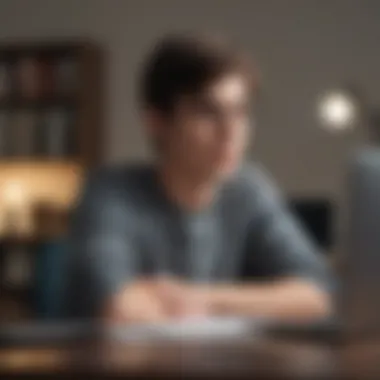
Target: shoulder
{"x": 121, "y": 180}
{"x": 252, "y": 181}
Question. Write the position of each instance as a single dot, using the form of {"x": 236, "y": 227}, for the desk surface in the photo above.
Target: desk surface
{"x": 259, "y": 357}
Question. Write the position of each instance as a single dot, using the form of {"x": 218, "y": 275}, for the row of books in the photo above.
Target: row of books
{"x": 32, "y": 271}
{"x": 29, "y": 133}
{"x": 34, "y": 78}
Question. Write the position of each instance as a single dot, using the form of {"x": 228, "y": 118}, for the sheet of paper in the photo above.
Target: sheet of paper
{"x": 210, "y": 328}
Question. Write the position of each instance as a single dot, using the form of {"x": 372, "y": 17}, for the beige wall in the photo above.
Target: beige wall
{"x": 303, "y": 47}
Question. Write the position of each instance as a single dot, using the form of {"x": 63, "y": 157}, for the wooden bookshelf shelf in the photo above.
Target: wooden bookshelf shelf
{"x": 24, "y": 240}
{"x": 36, "y": 159}
{"x": 56, "y": 101}
{"x": 51, "y": 132}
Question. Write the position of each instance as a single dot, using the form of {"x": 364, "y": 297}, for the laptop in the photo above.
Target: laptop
{"x": 359, "y": 304}
{"x": 357, "y": 312}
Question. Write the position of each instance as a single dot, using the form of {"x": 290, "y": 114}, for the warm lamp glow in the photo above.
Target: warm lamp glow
{"x": 13, "y": 195}
{"x": 16, "y": 207}
{"x": 338, "y": 110}
{"x": 26, "y": 186}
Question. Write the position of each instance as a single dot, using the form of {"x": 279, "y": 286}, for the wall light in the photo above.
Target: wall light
{"x": 338, "y": 110}
{"x": 344, "y": 108}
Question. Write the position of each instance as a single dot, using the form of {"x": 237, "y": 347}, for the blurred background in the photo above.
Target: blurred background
{"x": 68, "y": 71}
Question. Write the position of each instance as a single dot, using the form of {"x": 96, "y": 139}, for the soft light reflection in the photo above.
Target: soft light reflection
{"x": 338, "y": 111}
{"x": 14, "y": 195}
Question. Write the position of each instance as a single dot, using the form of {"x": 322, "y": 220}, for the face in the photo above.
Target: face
{"x": 209, "y": 132}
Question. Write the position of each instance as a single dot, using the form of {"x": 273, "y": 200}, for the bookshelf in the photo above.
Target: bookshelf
{"x": 51, "y": 132}
{"x": 51, "y": 116}
{"x": 51, "y": 102}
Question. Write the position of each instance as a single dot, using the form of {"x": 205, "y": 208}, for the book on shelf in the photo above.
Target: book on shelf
{"x": 27, "y": 78}
{"x": 4, "y": 121}
{"x": 56, "y": 133}
{"x": 48, "y": 279}
{"x": 46, "y": 78}
{"x": 17, "y": 272}
{"x": 22, "y": 133}
{"x": 66, "y": 76}
{"x": 32, "y": 77}
{"x": 5, "y": 80}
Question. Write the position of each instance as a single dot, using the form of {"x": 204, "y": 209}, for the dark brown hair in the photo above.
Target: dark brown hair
{"x": 186, "y": 64}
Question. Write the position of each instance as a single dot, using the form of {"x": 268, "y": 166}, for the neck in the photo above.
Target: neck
{"x": 189, "y": 193}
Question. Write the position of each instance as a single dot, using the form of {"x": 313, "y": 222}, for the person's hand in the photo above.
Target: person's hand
{"x": 156, "y": 300}
{"x": 135, "y": 303}
{"x": 180, "y": 300}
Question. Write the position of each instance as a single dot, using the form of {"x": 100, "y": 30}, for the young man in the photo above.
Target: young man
{"x": 195, "y": 233}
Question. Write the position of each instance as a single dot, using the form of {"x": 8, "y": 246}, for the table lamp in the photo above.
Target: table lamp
{"x": 17, "y": 213}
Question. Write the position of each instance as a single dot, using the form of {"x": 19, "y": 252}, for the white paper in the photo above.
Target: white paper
{"x": 210, "y": 328}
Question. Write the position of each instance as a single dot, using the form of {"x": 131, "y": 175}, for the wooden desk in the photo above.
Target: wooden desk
{"x": 269, "y": 358}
